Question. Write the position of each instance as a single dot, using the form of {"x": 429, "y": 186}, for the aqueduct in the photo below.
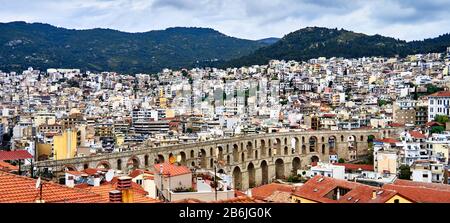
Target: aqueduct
{"x": 252, "y": 159}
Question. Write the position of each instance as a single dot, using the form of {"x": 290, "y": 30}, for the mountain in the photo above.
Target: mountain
{"x": 268, "y": 41}
{"x": 44, "y": 46}
{"x": 313, "y": 42}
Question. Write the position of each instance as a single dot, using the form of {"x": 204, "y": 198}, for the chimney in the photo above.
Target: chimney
{"x": 97, "y": 180}
{"x": 124, "y": 183}
{"x": 115, "y": 196}
{"x": 374, "y": 194}
{"x": 70, "y": 182}
{"x": 124, "y": 186}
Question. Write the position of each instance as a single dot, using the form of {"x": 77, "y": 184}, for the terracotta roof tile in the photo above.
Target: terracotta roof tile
{"x": 417, "y": 135}
{"x": 172, "y": 169}
{"x": 15, "y": 155}
{"x": 440, "y": 94}
{"x": 351, "y": 166}
{"x": 264, "y": 191}
{"x": 20, "y": 189}
{"x": 420, "y": 194}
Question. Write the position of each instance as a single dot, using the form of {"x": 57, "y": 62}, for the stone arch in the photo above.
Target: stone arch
{"x": 296, "y": 164}
{"x": 263, "y": 148}
{"x": 285, "y": 141}
{"x": 303, "y": 140}
{"x": 332, "y": 143}
{"x": 251, "y": 175}
{"x": 370, "y": 139}
{"x": 237, "y": 178}
{"x": 295, "y": 144}
{"x": 203, "y": 158}
{"x": 323, "y": 149}
{"x": 314, "y": 159}
{"x": 104, "y": 165}
{"x": 171, "y": 157}
{"x": 69, "y": 167}
{"x": 220, "y": 153}
{"x": 342, "y": 138}
{"x": 119, "y": 164}
{"x": 264, "y": 172}
{"x": 304, "y": 149}
{"x": 235, "y": 153}
{"x": 211, "y": 154}
{"x": 160, "y": 159}
{"x": 146, "y": 160}
{"x": 86, "y": 165}
{"x": 133, "y": 163}
{"x": 361, "y": 138}
{"x": 286, "y": 151}
{"x": 270, "y": 152}
{"x": 249, "y": 150}
{"x": 242, "y": 157}
{"x": 323, "y": 139}
{"x": 183, "y": 158}
{"x": 312, "y": 144}
{"x": 256, "y": 154}
{"x": 279, "y": 169}
{"x": 228, "y": 160}
{"x": 278, "y": 146}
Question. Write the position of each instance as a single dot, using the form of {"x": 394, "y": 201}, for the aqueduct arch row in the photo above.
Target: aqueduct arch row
{"x": 256, "y": 156}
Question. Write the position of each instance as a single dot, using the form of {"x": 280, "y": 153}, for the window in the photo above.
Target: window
{"x": 396, "y": 201}
{"x": 425, "y": 175}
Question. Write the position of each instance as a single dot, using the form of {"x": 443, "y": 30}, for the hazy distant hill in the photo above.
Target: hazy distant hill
{"x": 269, "y": 41}
{"x": 313, "y": 42}
{"x": 44, "y": 46}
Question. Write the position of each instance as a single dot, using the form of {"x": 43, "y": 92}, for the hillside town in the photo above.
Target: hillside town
{"x": 61, "y": 114}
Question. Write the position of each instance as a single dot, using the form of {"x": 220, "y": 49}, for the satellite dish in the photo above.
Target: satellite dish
{"x": 109, "y": 175}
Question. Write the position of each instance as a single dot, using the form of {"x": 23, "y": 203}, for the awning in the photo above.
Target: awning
{"x": 15, "y": 155}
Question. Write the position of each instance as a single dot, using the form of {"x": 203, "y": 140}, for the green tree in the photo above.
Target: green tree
{"x": 441, "y": 119}
{"x": 405, "y": 172}
{"x": 341, "y": 160}
{"x": 437, "y": 129}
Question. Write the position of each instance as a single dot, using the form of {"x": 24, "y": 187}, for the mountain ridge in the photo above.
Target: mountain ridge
{"x": 45, "y": 46}
{"x": 313, "y": 42}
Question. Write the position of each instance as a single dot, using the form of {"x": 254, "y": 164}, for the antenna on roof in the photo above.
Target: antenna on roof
{"x": 109, "y": 175}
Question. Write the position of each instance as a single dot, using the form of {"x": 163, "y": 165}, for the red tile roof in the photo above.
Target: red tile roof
{"x": 7, "y": 167}
{"x": 172, "y": 169}
{"x": 138, "y": 172}
{"x": 15, "y": 155}
{"x": 433, "y": 124}
{"x": 387, "y": 140}
{"x": 436, "y": 186}
{"x": 396, "y": 125}
{"x": 417, "y": 135}
{"x": 318, "y": 187}
{"x": 420, "y": 194}
{"x": 20, "y": 189}
{"x": 350, "y": 166}
{"x": 139, "y": 194}
{"x": 440, "y": 94}
{"x": 264, "y": 191}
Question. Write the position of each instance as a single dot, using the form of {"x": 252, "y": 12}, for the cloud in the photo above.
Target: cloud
{"x": 251, "y": 19}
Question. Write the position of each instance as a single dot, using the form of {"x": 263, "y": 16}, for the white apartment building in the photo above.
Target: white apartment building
{"x": 438, "y": 104}
{"x": 428, "y": 172}
{"x": 327, "y": 170}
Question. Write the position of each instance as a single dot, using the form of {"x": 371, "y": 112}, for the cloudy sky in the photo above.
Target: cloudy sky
{"x": 250, "y": 19}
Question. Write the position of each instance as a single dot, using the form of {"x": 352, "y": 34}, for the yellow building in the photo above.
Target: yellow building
{"x": 65, "y": 145}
